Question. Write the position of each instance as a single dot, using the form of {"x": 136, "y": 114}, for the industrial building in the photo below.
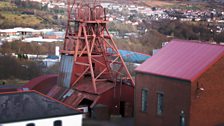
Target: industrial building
{"x": 92, "y": 70}
{"x": 181, "y": 85}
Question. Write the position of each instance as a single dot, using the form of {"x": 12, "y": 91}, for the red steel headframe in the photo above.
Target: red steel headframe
{"x": 87, "y": 36}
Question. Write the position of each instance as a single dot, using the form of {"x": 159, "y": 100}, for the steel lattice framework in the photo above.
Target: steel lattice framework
{"x": 89, "y": 41}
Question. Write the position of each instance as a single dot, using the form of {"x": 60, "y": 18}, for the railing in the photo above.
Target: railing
{"x": 86, "y": 13}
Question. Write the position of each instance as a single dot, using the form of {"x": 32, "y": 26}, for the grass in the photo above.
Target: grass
{"x": 6, "y": 5}
{"x": 14, "y": 82}
{"x": 177, "y": 5}
{"x": 12, "y": 15}
{"x": 20, "y": 19}
{"x": 157, "y": 3}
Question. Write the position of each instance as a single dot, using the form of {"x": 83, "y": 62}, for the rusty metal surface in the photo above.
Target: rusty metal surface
{"x": 65, "y": 71}
{"x": 53, "y": 91}
{"x": 87, "y": 37}
{"x": 86, "y": 86}
{"x": 57, "y": 92}
{"x": 77, "y": 97}
{"x": 183, "y": 59}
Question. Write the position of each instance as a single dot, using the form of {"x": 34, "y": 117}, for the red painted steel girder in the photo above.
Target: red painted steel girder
{"x": 88, "y": 40}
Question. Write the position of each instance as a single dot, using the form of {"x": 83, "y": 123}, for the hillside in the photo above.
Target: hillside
{"x": 186, "y": 4}
{"x": 29, "y": 14}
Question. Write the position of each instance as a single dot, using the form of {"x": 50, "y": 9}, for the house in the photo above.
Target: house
{"x": 31, "y": 108}
{"x": 54, "y": 35}
{"x": 51, "y": 60}
{"x": 181, "y": 85}
{"x": 7, "y": 32}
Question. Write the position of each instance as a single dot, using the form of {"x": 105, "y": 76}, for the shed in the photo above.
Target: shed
{"x": 181, "y": 85}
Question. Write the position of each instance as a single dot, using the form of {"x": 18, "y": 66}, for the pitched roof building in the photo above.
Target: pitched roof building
{"x": 33, "y": 108}
{"x": 182, "y": 85}
{"x": 183, "y": 59}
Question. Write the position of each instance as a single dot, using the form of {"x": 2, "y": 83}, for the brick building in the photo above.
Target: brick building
{"x": 182, "y": 85}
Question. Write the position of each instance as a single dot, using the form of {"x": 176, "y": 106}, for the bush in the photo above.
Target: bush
{"x": 2, "y": 17}
{"x": 11, "y": 67}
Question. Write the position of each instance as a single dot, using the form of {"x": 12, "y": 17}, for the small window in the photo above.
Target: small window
{"x": 30, "y": 124}
{"x": 144, "y": 100}
{"x": 160, "y": 103}
{"x": 58, "y": 123}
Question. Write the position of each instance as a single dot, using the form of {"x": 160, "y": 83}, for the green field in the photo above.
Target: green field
{"x": 6, "y": 5}
{"x": 12, "y": 15}
{"x": 179, "y": 5}
{"x": 21, "y": 19}
{"x": 13, "y": 82}
{"x": 12, "y": 18}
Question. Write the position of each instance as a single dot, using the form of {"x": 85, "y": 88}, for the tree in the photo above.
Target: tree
{"x": 11, "y": 67}
{"x": 219, "y": 37}
{"x": 153, "y": 40}
{"x": 8, "y": 67}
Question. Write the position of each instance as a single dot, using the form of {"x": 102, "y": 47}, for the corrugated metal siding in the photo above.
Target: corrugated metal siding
{"x": 183, "y": 59}
{"x": 65, "y": 72}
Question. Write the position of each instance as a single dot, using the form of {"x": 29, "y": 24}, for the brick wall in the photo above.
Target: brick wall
{"x": 207, "y": 107}
{"x": 176, "y": 98}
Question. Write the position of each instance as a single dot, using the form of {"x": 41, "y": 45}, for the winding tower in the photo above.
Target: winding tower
{"x": 92, "y": 70}
{"x": 95, "y": 56}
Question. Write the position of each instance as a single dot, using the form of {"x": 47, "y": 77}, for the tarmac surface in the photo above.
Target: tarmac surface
{"x": 114, "y": 121}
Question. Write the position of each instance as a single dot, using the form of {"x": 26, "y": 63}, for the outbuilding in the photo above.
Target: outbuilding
{"x": 181, "y": 85}
{"x": 31, "y": 108}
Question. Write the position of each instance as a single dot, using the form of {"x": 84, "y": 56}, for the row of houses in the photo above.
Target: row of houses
{"x": 124, "y": 13}
{"x": 51, "y": 3}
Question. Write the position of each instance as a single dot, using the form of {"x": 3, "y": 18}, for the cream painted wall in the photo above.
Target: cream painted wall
{"x": 73, "y": 120}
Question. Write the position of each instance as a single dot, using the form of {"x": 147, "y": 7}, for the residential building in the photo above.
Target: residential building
{"x": 51, "y": 60}
{"x": 182, "y": 85}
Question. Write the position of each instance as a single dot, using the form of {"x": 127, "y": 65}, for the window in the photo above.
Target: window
{"x": 144, "y": 100}
{"x": 30, "y": 124}
{"x": 160, "y": 102}
{"x": 58, "y": 123}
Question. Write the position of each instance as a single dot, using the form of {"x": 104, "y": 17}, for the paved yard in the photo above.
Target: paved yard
{"x": 114, "y": 121}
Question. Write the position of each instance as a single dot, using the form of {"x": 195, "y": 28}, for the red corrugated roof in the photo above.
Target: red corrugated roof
{"x": 36, "y": 81}
{"x": 85, "y": 85}
{"x": 183, "y": 59}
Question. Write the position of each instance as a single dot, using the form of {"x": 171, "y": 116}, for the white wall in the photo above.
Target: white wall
{"x": 73, "y": 120}
{"x": 57, "y": 49}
